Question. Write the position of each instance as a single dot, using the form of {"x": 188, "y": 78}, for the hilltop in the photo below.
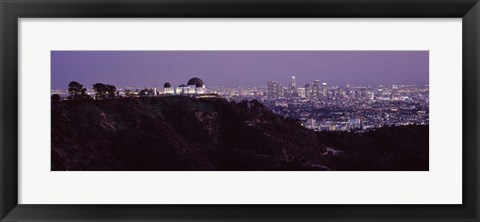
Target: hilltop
{"x": 183, "y": 133}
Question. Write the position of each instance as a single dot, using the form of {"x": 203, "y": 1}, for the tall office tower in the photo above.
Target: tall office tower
{"x": 315, "y": 88}
{"x": 308, "y": 91}
{"x": 324, "y": 89}
{"x": 278, "y": 90}
{"x": 347, "y": 89}
{"x": 293, "y": 84}
{"x": 287, "y": 93}
{"x": 301, "y": 92}
{"x": 270, "y": 89}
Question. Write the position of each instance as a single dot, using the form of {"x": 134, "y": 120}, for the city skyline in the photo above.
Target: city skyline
{"x": 239, "y": 68}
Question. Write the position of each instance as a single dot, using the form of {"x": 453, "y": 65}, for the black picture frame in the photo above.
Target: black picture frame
{"x": 12, "y": 10}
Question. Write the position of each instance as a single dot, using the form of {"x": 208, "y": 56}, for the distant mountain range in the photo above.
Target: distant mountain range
{"x": 182, "y": 133}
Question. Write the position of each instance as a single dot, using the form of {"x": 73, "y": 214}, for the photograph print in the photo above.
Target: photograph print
{"x": 239, "y": 110}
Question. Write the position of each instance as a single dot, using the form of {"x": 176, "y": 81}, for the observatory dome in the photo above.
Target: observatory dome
{"x": 197, "y": 82}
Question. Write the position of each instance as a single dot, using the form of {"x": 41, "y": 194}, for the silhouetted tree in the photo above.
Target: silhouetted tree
{"x": 147, "y": 92}
{"x": 111, "y": 90}
{"x": 77, "y": 91}
{"x": 55, "y": 97}
{"x": 129, "y": 93}
{"x": 104, "y": 90}
{"x": 100, "y": 90}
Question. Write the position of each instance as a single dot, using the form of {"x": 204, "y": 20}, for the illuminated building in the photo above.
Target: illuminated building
{"x": 278, "y": 90}
{"x": 324, "y": 89}
{"x": 293, "y": 84}
{"x": 270, "y": 89}
{"x": 316, "y": 88}
{"x": 301, "y": 92}
{"x": 193, "y": 87}
{"x": 274, "y": 90}
{"x": 308, "y": 90}
{"x": 167, "y": 88}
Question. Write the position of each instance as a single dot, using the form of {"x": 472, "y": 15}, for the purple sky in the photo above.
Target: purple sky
{"x": 238, "y": 68}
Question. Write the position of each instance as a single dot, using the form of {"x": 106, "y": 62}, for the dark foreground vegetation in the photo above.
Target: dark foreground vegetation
{"x": 183, "y": 133}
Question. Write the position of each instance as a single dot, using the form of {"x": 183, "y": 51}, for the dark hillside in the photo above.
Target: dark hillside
{"x": 183, "y": 133}
{"x": 177, "y": 133}
{"x": 388, "y": 148}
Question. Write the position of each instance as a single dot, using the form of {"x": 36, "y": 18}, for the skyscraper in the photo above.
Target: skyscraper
{"x": 301, "y": 92}
{"x": 324, "y": 89}
{"x": 293, "y": 84}
{"x": 316, "y": 88}
{"x": 308, "y": 91}
{"x": 278, "y": 90}
{"x": 270, "y": 89}
{"x": 274, "y": 90}
{"x": 347, "y": 90}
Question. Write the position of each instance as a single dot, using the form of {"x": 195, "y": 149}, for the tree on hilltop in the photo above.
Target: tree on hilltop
{"x": 103, "y": 91}
{"x": 147, "y": 92}
{"x": 129, "y": 93}
{"x": 55, "y": 97}
{"x": 111, "y": 90}
{"x": 77, "y": 91}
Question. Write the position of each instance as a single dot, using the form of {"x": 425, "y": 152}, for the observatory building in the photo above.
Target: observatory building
{"x": 194, "y": 86}
{"x": 167, "y": 88}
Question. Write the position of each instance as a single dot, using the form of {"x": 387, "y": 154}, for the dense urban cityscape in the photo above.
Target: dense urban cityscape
{"x": 318, "y": 106}
{"x": 345, "y": 108}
